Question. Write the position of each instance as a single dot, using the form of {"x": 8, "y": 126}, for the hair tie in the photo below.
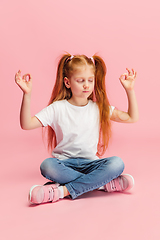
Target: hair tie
{"x": 69, "y": 58}
{"x": 92, "y": 60}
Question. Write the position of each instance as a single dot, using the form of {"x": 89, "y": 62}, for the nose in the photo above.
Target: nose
{"x": 85, "y": 85}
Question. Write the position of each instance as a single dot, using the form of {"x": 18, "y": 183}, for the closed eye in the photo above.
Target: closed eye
{"x": 80, "y": 80}
{"x": 90, "y": 80}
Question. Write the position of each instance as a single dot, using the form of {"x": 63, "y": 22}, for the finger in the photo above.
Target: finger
{"x": 129, "y": 71}
{"x": 121, "y": 77}
{"x": 17, "y": 79}
{"x": 134, "y": 73}
{"x": 16, "y": 75}
{"x": 19, "y": 73}
{"x": 125, "y": 76}
{"x": 24, "y": 78}
{"x": 27, "y": 75}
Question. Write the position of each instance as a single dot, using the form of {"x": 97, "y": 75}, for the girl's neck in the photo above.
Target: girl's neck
{"x": 78, "y": 102}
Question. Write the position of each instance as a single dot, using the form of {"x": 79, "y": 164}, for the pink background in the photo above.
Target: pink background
{"x": 33, "y": 35}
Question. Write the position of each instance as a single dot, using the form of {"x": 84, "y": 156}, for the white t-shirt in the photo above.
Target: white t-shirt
{"x": 76, "y": 128}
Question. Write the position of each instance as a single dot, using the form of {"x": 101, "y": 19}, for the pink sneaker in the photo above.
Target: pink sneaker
{"x": 41, "y": 194}
{"x": 122, "y": 183}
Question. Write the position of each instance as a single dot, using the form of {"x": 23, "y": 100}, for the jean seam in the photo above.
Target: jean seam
{"x": 74, "y": 195}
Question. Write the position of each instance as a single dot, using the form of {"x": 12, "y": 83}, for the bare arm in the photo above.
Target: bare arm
{"x": 132, "y": 115}
{"x": 25, "y": 83}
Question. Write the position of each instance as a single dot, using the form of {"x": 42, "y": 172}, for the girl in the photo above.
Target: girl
{"x": 78, "y": 121}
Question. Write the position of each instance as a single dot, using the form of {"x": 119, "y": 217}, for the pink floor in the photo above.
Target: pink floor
{"x": 95, "y": 215}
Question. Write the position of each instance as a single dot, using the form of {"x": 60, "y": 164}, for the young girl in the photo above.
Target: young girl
{"x": 78, "y": 121}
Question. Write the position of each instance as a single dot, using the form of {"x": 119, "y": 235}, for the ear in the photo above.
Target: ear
{"x": 67, "y": 82}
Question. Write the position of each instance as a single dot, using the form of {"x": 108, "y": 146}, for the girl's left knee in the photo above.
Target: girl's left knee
{"x": 118, "y": 163}
{"x": 47, "y": 167}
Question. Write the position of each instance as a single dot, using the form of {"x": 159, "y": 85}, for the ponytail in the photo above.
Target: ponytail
{"x": 103, "y": 105}
{"x": 59, "y": 92}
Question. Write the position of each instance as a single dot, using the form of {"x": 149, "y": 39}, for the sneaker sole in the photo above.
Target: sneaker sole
{"x": 131, "y": 178}
{"x": 30, "y": 192}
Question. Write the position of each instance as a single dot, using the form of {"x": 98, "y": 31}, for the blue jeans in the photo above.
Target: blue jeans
{"x": 81, "y": 175}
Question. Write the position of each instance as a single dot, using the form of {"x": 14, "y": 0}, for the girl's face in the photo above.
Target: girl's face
{"x": 82, "y": 85}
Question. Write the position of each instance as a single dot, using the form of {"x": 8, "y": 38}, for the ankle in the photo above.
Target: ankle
{"x": 66, "y": 193}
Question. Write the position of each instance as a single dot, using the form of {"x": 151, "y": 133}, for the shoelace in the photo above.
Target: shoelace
{"x": 116, "y": 184}
{"x": 113, "y": 185}
{"x": 51, "y": 194}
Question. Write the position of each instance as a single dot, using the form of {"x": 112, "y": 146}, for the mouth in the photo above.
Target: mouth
{"x": 86, "y": 91}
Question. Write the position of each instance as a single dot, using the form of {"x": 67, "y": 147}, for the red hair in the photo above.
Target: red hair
{"x": 66, "y": 67}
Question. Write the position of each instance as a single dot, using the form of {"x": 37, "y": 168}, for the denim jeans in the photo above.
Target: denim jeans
{"x": 81, "y": 175}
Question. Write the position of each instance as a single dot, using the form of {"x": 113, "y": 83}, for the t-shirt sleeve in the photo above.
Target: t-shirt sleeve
{"x": 46, "y": 116}
{"x": 111, "y": 110}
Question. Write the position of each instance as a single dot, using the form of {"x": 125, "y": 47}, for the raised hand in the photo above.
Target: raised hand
{"x": 128, "y": 79}
{"x": 24, "y": 82}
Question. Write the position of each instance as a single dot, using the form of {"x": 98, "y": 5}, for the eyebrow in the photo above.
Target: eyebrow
{"x": 82, "y": 77}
